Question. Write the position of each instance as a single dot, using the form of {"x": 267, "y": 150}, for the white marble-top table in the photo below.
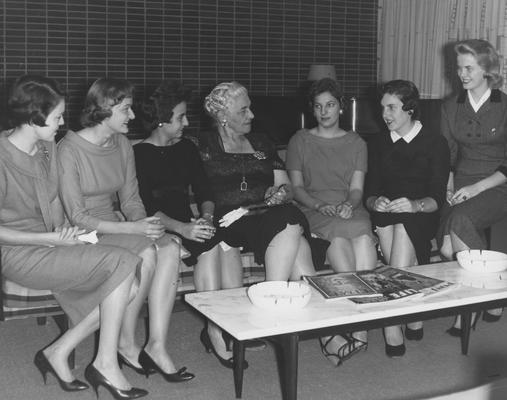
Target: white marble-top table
{"x": 234, "y": 313}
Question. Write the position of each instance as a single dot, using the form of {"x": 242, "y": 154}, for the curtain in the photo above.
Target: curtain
{"x": 416, "y": 39}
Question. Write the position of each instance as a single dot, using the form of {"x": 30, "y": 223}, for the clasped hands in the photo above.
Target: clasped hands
{"x": 343, "y": 210}
{"x": 400, "y": 205}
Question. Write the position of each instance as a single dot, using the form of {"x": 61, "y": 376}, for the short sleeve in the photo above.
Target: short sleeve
{"x": 294, "y": 158}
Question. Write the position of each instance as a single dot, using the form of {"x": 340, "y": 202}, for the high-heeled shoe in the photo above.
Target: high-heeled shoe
{"x": 414, "y": 334}
{"x": 208, "y": 345}
{"x": 394, "y": 351}
{"x": 150, "y": 366}
{"x": 96, "y": 379}
{"x": 122, "y": 360}
{"x": 44, "y": 366}
{"x": 488, "y": 317}
{"x": 351, "y": 346}
{"x": 456, "y": 332}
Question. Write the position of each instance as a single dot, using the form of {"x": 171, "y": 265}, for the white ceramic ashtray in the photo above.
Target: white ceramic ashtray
{"x": 482, "y": 260}
{"x": 279, "y": 295}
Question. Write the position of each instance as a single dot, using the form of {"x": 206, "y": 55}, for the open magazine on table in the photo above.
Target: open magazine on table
{"x": 388, "y": 284}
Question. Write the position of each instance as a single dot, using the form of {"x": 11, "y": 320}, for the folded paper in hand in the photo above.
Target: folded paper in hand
{"x": 90, "y": 237}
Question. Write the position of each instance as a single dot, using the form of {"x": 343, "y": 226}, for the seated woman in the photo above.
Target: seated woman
{"x": 167, "y": 165}
{"x": 244, "y": 170}
{"x": 473, "y": 122}
{"x": 96, "y": 168}
{"x": 407, "y": 174}
{"x": 91, "y": 283}
{"x": 327, "y": 166}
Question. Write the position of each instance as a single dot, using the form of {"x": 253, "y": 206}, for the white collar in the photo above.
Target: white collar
{"x": 476, "y": 105}
{"x": 408, "y": 137}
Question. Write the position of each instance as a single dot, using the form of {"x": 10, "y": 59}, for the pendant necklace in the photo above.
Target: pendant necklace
{"x": 243, "y": 186}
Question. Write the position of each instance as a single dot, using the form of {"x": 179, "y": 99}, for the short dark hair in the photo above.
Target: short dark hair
{"x": 103, "y": 95}
{"x": 407, "y": 92}
{"x": 486, "y": 57}
{"x": 158, "y": 108}
{"x": 32, "y": 99}
{"x": 322, "y": 86}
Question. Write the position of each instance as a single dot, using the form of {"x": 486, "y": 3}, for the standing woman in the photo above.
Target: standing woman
{"x": 167, "y": 166}
{"x": 407, "y": 174}
{"x": 90, "y": 282}
{"x": 97, "y": 183}
{"x": 475, "y": 125}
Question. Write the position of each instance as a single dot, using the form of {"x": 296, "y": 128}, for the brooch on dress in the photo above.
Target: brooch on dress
{"x": 259, "y": 155}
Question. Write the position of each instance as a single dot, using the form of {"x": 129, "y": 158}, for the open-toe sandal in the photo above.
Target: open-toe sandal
{"x": 351, "y": 346}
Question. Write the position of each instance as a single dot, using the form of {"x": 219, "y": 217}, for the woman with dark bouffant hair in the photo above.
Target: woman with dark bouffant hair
{"x": 168, "y": 164}
{"x": 475, "y": 125}
{"x": 40, "y": 251}
{"x": 100, "y": 192}
{"x": 407, "y": 173}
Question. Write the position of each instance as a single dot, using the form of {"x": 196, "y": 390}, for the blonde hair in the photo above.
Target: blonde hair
{"x": 486, "y": 56}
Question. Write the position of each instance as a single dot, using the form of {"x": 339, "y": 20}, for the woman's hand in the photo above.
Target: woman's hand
{"x": 276, "y": 195}
{"x": 198, "y": 230}
{"x": 381, "y": 204}
{"x": 464, "y": 194}
{"x": 402, "y": 205}
{"x": 149, "y": 227}
{"x": 344, "y": 210}
{"x": 66, "y": 236}
{"x": 327, "y": 209}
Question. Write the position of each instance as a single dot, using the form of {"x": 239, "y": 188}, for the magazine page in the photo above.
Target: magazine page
{"x": 341, "y": 286}
{"x": 390, "y": 288}
{"x": 421, "y": 283}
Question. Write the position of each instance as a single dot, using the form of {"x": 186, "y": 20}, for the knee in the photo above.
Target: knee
{"x": 296, "y": 229}
{"x": 149, "y": 257}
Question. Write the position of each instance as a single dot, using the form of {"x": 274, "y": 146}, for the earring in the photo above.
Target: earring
{"x": 224, "y": 122}
{"x": 160, "y": 124}
{"x": 341, "y": 111}
{"x": 410, "y": 112}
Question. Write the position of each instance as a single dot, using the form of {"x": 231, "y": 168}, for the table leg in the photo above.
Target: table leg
{"x": 238, "y": 351}
{"x": 466, "y": 323}
{"x": 290, "y": 366}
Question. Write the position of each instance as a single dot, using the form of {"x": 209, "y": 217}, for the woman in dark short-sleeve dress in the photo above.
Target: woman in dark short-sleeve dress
{"x": 169, "y": 165}
{"x": 40, "y": 252}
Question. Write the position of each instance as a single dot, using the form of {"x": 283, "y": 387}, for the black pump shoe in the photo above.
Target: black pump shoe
{"x": 96, "y": 379}
{"x": 456, "y": 332}
{"x": 488, "y": 317}
{"x": 395, "y": 351}
{"x": 206, "y": 342}
{"x": 150, "y": 366}
{"x": 44, "y": 366}
{"x": 414, "y": 334}
{"x": 122, "y": 360}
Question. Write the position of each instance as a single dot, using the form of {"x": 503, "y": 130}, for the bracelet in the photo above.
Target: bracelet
{"x": 208, "y": 216}
{"x": 347, "y": 203}
{"x": 420, "y": 204}
{"x": 317, "y": 206}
